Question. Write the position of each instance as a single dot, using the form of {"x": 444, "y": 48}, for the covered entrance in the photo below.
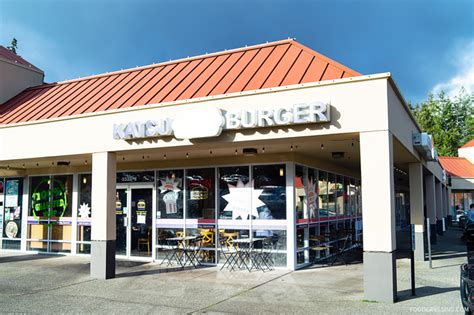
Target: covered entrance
{"x": 134, "y": 218}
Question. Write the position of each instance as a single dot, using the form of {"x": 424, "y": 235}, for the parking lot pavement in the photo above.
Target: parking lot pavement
{"x": 61, "y": 284}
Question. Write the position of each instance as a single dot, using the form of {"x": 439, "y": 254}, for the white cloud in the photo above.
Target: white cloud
{"x": 463, "y": 63}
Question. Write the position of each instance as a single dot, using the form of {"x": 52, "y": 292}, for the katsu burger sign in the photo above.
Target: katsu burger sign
{"x": 210, "y": 122}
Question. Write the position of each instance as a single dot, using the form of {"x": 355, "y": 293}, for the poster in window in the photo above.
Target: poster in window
{"x": 11, "y": 229}
{"x": 11, "y": 193}
{"x": 199, "y": 193}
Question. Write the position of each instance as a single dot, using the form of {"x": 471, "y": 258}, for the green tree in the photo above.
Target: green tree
{"x": 14, "y": 45}
{"x": 449, "y": 120}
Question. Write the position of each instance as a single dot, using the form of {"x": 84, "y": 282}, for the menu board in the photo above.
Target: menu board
{"x": 11, "y": 193}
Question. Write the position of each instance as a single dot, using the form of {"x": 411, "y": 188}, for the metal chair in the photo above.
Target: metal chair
{"x": 341, "y": 250}
{"x": 230, "y": 253}
{"x": 262, "y": 256}
{"x": 193, "y": 250}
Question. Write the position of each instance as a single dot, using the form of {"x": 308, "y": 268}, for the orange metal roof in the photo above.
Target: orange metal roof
{"x": 457, "y": 166}
{"x": 269, "y": 65}
{"x": 469, "y": 144}
{"x": 11, "y": 56}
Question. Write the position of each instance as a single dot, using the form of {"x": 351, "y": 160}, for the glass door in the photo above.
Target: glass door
{"x": 121, "y": 215}
{"x": 141, "y": 221}
{"x": 134, "y": 206}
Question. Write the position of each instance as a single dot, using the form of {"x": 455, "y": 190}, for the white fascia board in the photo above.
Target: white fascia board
{"x": 378, "y": 76}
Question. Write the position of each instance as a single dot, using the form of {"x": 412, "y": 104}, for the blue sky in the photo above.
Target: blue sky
{"x": 426, "y": 45}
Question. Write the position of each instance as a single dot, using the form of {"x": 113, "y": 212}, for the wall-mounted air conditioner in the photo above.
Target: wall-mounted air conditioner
{"x": 422, "y": 142}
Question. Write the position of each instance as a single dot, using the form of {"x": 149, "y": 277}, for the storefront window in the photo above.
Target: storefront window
{"x": 12, "y": 210}
{"x": 332, "y": 195}
{"x": 84, "y": 214}
{"x": 347, "y": 201}
{"x": 227, "y": 237}
{"x": 200, "y": 198}
{"x": 235, "y": 199}
{"x": 358, "y": 199}
{"x": 170, "y": 194}
{"x": 164, "y": 246}
{"x": 300, "y": 193}
{"x": 340, "y": 196}
{"x": 50, "y": 217}
{"x": 208, "y": 244}
{"x": 312, "y": 194}
{"x": 351, "y": 193}
{"x": 322, "y": 194}
{"x": 270, "y": 188}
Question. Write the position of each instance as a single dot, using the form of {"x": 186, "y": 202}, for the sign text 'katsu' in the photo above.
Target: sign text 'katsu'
{"x": 209, "y": 122}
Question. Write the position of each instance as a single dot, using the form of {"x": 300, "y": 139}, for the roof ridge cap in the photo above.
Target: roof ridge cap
{"x": 165, "y": 63}
{"x": 335, "y": 63}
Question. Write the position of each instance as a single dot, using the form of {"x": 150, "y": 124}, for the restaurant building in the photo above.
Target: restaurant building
{"x": 271, "y": 140}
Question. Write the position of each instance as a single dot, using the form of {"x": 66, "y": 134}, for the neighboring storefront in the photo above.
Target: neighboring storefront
{"x": 271, "y": 140}
{"x": 461, "y": 172}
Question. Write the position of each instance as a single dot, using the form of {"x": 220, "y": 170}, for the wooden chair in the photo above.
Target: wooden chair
{"x": 207, "y": 241}
{"x": 145, "y": 241}
{"x": 228, "y": 238}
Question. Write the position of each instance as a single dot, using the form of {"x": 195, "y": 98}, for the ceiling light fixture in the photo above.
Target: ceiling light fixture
{"x": 249, "y": 151}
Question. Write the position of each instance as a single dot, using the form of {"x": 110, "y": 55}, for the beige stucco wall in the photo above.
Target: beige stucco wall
{"x": 14, "y": 78}
{"x": 467, "y": 153}
{"x": 357, "y": 106}
{"x": 403, "y": 126}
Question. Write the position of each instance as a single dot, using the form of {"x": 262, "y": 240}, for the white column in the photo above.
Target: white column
{"x": 25, "y": 204}
{"x": 439, "y": 206}
{"x": 75, "y": 196}
{"x": 290, "y": 217}
{"x": 378, "y": 199}
{"x": 430, "y": 196}
{"x": 450, "y": 201}
{"x": 446, "y": 202}
{"x": 103, "y": 216}
{"x": 417, "y": 216}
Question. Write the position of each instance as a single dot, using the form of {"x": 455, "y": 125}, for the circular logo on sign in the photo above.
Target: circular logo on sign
{"x": 11, "y": 229}
{"x": 50, "y": 202}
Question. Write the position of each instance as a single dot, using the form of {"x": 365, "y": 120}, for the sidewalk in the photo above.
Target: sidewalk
{"x": 61, "y": 284}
